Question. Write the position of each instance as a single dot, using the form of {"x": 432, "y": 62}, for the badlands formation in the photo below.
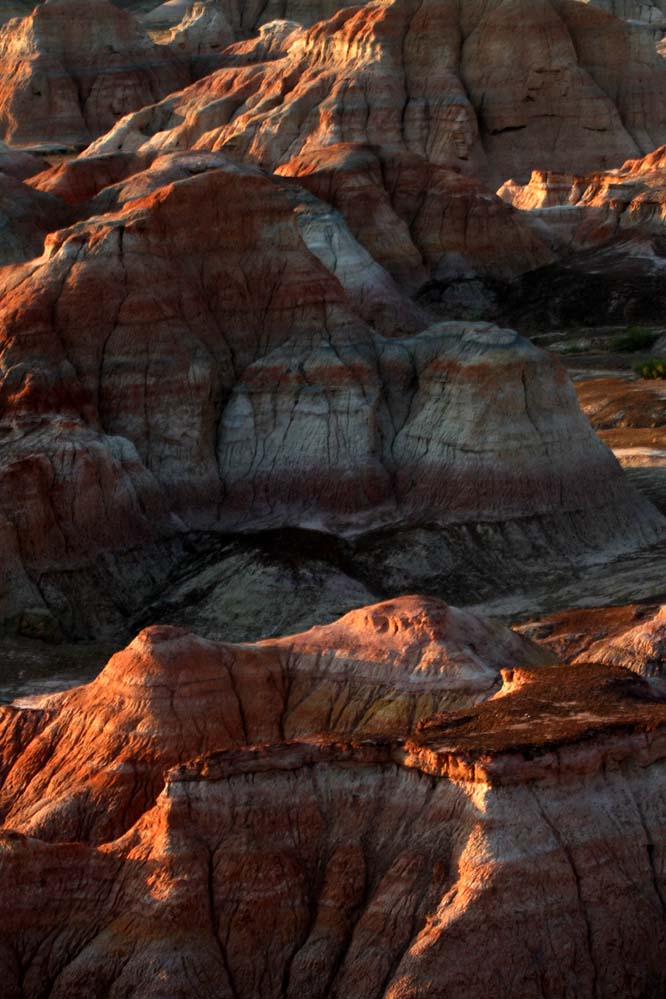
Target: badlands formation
{"x": 367, "y": 862}
{"x": 310, "y": 413}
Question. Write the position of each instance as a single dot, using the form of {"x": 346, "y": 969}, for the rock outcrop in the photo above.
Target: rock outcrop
{"x": 201, "y": 36}
{"x": 200, "y": 355}
{"x": 72, "y": 68}
{"x": 444, "y": 81}
{"x": 642, "y": 648}
{"x": 335, "y": 866}
{"x": 607, "y": 229}
{"x": 93, "y": 759}
{"x": 588, "y": 211}
{"x": 423, "y": 223}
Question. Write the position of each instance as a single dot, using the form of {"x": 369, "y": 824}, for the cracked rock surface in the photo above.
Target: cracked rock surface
{"x": 445, "y": 80}
{"x": 351, "y": 852}
{"x": 383, "y": 714}
{"x": 257, "y": 371}
{"x": 72, "y": 68}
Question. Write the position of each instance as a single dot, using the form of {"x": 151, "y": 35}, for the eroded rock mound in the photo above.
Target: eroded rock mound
{"x": 641, "y": 648}
{"x": 432, "y": 465}
{"x": 446, "y": 81}
{"x": 210, "y": 352}
{"x": 72, "y": 68}
{"x": 366, "y": 869}
{"x": 85, "y": 764}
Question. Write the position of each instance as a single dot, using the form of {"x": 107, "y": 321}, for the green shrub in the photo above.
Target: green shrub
{"x": 636, "y": 338}
{"x": 654, "y": 368}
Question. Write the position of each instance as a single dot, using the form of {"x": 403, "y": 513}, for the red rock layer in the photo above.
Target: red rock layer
{"x": 371, "y": 870}
{"x": 85, "y": 764}
{"x": 200, "y": 355}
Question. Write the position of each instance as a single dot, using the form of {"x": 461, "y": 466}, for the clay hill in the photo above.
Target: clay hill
{"x": 215, "y": 351}
{"x": 72, "y": 68}
{"x": 352, "y": 852}
{"x": 446, "y": 81}
{"x": 386, "y": 717}
{"x": 406, "y": 120}
{"x": 171, "y": 696}
{"x": 194, "y": 347}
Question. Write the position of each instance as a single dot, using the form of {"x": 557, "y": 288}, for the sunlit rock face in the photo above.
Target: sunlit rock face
{"x": 607, "y": 230}
{"x": 456, "y": 84}
{"x": 71, "y": 68}
{"x": 95, "y": 757}
{"x": 641, "y": 648}
{"x": 359, "y": 853}
{"x": 591, "y": 211}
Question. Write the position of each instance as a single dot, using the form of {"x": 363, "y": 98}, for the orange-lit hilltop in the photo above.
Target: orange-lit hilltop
{"x": 274, "y": 815}
{"x": 319, "y": 426}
